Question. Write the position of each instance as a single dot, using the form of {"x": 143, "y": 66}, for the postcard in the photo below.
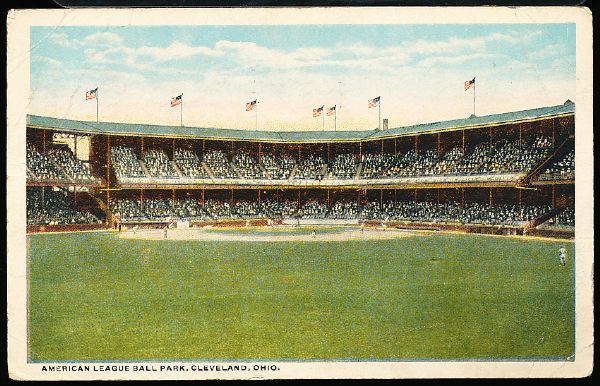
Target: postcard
{"x": 296, "y": 193}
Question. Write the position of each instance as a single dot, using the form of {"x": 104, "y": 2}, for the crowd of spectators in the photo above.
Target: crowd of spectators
{"x": 247, "y": 166}
{"x": 74, "y": 168}
{"x": 565, "y": 218}
{"x": 313, "y": 209}
{"x": 159, "y": 165}
{"x": 561, "y": 169}
{"x": 217, "y": 209}
{"x": 125, "y": 162}
{"x": 426, "y": 211}
{"x": 375, "y": 164}
{"x": 157, "y": 209}
{"x": 279, "y": 168}
{"x": 218, "y": 163}
{"x": 40, "y": 167}
{"x": 311, "y": 167}
{"x": 452, "y": 212}
{"x": 344, "y": 210}
{"x": 54, "y": 208}
{"x": 344, "y": 165}
{"x": 501, "y": 157}
{"x": 189, "y": 164}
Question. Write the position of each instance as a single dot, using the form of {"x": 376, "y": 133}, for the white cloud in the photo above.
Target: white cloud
{"x": 61, "y": 39}
{"x": 176, "y": 50}
{"x": 46, "y": 60}
{"x": 456, "y": 59}
{"x": 103, "y": 39}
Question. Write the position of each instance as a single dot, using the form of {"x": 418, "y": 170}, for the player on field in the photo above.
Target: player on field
{"x": 562, "y": 252}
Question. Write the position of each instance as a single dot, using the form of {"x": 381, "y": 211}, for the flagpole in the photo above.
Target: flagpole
{"x": 97, "y": 105}
{"x": 474, "y": 85}
{"x": 379, "y": 117}
{"x": 335, "y": 119}
{"x": 256, "y": 116}
{"x": 181, "y": 112}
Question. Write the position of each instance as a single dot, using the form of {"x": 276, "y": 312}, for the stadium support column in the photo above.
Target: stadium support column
{"x": 172, "y": 198}
{"x": 395, "y": 146}
{"x": 203, "y": 146}
{"x": 382, "y": 147}
{"x": 75, "y": 145}
{"x": 328, "y": 151}
{"x": 490, "y": 135}
{"x": 520, "y": 133}
{"x": 258, "y": 197}
{"x": 142, "y": 147}
{"x": 416, "y": 144}
{"x": 463, "y": 140}
{"x": 520, "y": 198}
{"x": 380, "y": 197}
{"x": 328, "y": 199}
{"x": 462, "y": 196}
{"x": 553, "y": 202}
{"x": 142, "y": 198}
{"x": 203, "y": 198}
{"x": 439, "y": 144}
{"x": 491, "y": 196}
{"x": 231, "y": 198}
{"x": 553, "y": 134}
{"x": 108, "y": 171}
{"x": 44, "y": 142}
{"x": 360, "y": 150}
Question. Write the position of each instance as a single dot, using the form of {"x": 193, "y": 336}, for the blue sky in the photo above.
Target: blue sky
{"x": 418, "y": 70}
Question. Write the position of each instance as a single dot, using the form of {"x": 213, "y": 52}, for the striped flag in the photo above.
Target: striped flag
{"x": 177, "y": 100}
{"x": 469, "y": 84}
{"x": 317, "y": 112}
{"x": 373, "y": 102}
{"x": 331, "y": 111}
{"x": 91, "y": 94}
{"x": 250, "y": 105}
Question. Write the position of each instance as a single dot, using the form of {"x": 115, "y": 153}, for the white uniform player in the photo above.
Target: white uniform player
{"x": 562, "y": 252}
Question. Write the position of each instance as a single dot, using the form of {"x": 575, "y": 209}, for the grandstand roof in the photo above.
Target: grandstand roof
{"x": 129, "y": 129}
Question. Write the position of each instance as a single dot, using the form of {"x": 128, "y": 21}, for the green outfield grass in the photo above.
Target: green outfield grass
{"x": 93, "y": 296}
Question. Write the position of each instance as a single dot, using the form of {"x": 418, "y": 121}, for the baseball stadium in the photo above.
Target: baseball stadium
{"x": 435, "y": 241}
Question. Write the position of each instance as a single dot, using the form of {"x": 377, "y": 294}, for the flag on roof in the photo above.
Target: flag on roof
{"x": 469, "y": 84}
{"x": 317, "y": 112}
{"x": 374, "y": 102}
{"x": 250, "y": 105}
{"x": 91, "y": 94}
{"x": 177, "y": 100}
{"x": 331, "y": 110}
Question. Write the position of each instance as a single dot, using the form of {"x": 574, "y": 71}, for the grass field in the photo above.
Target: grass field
{"x": 93, "y": 296}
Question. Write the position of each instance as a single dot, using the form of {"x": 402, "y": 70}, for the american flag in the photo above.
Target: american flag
{"x": 91, "y": 94}
{"x": 250, "y": 105}
{"x": 331, "y": 111}
{"x": 373, "y": 102}
{"x": 177, "y": 100}
{"x": 317, "y": 112}
{"x": 469, "y": 84}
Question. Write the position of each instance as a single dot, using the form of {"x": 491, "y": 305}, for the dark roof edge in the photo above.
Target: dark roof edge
{"x": 90, "y": 127}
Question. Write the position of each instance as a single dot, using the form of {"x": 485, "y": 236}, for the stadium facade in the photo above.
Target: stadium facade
{"x": 510, "y": 173}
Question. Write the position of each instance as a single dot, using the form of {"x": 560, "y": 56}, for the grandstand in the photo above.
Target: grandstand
{"x": 510, "y": 173}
